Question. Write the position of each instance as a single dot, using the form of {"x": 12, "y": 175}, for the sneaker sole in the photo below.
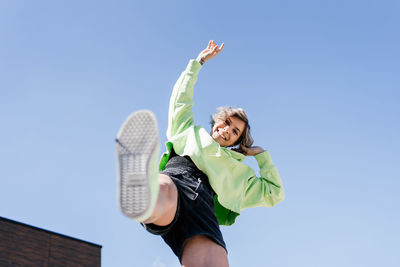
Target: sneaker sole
{"x": 137, "y": 141}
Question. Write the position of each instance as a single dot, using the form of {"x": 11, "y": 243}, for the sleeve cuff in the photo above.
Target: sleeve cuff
{"x": 193, "y": 66}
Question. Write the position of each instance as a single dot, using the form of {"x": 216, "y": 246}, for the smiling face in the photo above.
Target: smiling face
{"x": 227, "y": 132}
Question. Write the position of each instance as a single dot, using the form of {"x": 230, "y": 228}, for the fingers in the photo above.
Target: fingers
{"x": 215, "y": 49}
{"x": 212, "y": 45}
{"x": 211, "y": 51}
{"x": 218, "y": 50}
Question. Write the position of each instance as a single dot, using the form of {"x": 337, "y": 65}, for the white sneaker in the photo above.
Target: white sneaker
{"x": 138, "y": 150}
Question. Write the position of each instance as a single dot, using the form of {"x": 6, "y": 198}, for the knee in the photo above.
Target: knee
{"x": 168, "y": 189}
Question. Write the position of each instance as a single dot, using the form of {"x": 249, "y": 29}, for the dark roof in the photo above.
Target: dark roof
{"x": 47, "y": 231}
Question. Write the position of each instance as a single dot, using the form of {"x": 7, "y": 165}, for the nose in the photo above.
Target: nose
{"x": 226, "y": 131}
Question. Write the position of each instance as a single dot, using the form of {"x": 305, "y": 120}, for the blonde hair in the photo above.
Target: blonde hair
{"x": 226, "y": 112}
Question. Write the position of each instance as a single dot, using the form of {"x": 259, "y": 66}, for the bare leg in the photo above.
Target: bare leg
{"x": 198, "y": 251}
{"x": 167, "y": 202}
{"x": 201, "y": 251}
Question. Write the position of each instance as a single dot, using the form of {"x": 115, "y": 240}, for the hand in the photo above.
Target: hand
{"x": 210, "y": 52}
{"x": 249, "y": 151}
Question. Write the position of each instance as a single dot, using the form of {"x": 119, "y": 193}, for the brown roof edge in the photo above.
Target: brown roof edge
{"x": 47, "y": 231}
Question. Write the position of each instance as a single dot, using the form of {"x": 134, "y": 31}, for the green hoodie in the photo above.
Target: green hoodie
{"x": 236, "y": 185}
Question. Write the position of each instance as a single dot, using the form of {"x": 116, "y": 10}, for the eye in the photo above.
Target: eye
{"x": 235, "y": 132}
{"x": 227, "y": 122}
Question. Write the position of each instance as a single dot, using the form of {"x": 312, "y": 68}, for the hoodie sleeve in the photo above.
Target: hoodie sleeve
{"x": 180, "y": 115}
{"x": 266, "y": 190}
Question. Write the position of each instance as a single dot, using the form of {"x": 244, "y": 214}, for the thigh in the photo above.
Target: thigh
{"x": 202, "y": 251}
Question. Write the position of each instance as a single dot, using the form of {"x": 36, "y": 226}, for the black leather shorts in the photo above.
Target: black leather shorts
{"x": 195, "y": 213}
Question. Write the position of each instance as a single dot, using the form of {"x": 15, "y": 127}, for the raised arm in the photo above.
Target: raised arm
{"x": 180, "y": 115}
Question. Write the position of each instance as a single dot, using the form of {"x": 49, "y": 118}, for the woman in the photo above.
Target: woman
{"x": 202, "y": 184}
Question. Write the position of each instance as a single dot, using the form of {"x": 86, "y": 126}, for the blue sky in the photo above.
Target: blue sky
{"x": 319, "y": 80}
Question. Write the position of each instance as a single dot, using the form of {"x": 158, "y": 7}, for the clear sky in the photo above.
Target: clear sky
{"x": 320, "y": 81}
